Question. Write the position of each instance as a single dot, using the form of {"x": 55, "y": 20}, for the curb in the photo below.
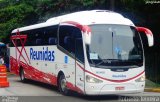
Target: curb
{"x": 152, "y": 90}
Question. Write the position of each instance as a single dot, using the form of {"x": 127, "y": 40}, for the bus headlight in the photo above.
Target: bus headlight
{"x": 91, "y": 79}
{"x": 141, "y": 79}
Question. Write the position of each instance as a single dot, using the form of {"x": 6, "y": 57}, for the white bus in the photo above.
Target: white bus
{"x": 93, "y": 52}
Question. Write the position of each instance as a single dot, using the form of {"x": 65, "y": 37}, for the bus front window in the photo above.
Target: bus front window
{"x": 113, "y": 46}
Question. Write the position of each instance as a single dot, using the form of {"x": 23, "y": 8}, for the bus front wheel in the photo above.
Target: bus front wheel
{"x": 62, "y": 85}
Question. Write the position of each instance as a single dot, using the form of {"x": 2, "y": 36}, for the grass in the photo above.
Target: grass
{"x": 151, "y": 84}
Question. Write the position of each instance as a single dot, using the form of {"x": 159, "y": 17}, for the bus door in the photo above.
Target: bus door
{"x": 70, "y": 42}
{"x": 66, "y": 43}
{"x": 79, "y": 63}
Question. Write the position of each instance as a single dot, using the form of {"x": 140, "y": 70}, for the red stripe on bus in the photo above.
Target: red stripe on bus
{"x": 35, "y": 74}
{"x": 83, "y": 28}
{"x": 74, "y": 88}
{"x": 143, "y": 29}
{"x": 117, "y": 81}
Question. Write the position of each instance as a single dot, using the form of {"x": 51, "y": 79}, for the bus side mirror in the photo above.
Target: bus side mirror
{"x": 148, "y": 33}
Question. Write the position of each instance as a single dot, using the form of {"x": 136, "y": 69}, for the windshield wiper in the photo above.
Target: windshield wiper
{"x": 135, "y": 63}
{"x": 109, "y": 61}
{"x": 106, "y": 61}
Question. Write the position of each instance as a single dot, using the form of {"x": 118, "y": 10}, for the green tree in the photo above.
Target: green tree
{"x": 15, "y": 16}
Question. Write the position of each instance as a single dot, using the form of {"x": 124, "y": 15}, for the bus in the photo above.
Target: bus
{"x": 95, "y": 52}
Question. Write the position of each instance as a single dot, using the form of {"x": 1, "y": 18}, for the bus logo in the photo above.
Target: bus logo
{"x": 43, "y": 55}
{"x": 119, "y": 76}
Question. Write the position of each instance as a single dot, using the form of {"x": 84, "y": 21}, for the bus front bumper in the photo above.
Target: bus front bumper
{"x": 114, "y": 89}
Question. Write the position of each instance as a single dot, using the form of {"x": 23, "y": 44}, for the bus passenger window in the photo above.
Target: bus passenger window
{"x": 79, "y": 49}
{"x": 38, "y": 41}
{"x": 67, "y": 43}
{"x": 52, "y": 41}
{"x": 67, "y": 36}
{"x": 50, "y": 35}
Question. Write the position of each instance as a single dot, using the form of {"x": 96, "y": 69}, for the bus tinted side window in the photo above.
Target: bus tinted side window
{"x": 50, "y": 35}
{"x": 39, "y": 37}
{"x": 79, "y": 49}
{"x": 42, "y": 36}
{"x": 30, "y": 37}
{"x": 34, "y": 37}
{"x": 67, "y": 36}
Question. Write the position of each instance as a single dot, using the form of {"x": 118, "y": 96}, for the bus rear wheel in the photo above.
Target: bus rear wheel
{"x": 22, "y": 76}
{"x": 62, "y": 85}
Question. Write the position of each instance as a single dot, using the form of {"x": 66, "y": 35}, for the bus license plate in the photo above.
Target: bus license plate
{"x": 119, "y": 88}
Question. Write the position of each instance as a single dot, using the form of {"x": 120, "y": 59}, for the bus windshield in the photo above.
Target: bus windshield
{"x": 113, "y": 46}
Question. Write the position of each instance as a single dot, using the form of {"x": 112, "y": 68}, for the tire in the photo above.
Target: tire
{"x": 22, "y": 76}
{"x": 62, "y": 85}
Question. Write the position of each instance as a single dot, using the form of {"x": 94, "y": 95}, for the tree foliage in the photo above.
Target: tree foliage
{"x": 18, "y": 13}
{"x": 15, "y": 15}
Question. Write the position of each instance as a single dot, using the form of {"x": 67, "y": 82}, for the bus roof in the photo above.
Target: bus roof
{"x": 84, "y": 18}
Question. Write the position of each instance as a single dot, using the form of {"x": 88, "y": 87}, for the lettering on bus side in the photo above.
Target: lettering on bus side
{"x": 43, "y": 55}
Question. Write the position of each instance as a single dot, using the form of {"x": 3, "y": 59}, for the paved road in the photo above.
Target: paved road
{"x": 32, "y": 91}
